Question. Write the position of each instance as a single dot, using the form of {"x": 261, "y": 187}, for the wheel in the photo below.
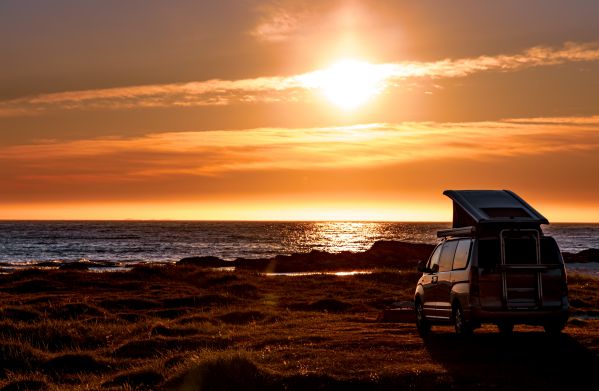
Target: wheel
{"x": 462, "y": 327}
{"x": 505, "y": 328}
{"x": 422, "y": 324}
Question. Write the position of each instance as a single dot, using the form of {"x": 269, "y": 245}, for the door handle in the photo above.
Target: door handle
{"x": 435, "y": 279}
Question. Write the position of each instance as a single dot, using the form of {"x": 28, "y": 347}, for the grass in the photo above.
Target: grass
{"x": 188, "y": 328}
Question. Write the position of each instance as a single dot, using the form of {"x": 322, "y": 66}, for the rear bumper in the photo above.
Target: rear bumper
{"x": 528, "y": 316}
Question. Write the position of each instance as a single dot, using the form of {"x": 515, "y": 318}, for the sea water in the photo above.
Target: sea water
{"x": 168, "y": 241}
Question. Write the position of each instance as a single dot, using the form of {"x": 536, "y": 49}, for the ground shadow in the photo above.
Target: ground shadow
{"x": 523, "y": 360}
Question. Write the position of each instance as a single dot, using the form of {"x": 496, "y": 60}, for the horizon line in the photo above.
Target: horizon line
{"x": 261, "y": 221}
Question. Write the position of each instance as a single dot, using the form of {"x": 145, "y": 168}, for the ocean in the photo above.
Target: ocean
{"x": 23, "y": 242}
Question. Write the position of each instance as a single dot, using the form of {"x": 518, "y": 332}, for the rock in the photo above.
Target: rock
{"x": 208, "y": 261}
{"x": 382, "y": 254}
{"x": 75, "y": 266}
{"x": 584, "y": 256}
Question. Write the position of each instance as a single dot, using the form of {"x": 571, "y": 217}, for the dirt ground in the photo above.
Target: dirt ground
{"x": 186, "y": 328}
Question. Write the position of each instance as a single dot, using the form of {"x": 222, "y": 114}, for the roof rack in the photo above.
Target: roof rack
{"x": 457, "y": 232}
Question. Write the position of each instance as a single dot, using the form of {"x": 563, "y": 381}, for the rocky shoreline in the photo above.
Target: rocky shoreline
{"x": 382, "y": 255}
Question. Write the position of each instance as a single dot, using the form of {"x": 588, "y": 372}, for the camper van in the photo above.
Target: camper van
{"x": 494, "y": 265}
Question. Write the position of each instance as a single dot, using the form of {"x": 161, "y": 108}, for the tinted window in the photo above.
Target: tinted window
{"x": 549, "y": 251}
{"x": 460, "y": 260}
{"x": 489, "y": 253}
{"x": 520, "y": 250}
{"x": 433, "y": 262}
{"x": 446, "y": 258}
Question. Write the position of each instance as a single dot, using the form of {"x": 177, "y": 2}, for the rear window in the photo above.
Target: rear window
{"x": 520, "y": 251}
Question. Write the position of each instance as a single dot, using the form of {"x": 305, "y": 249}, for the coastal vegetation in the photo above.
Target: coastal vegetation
{"x": 190, "y": 327}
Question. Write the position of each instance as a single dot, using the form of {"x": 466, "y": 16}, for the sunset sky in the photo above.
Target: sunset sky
{"x": 296, "y": 110}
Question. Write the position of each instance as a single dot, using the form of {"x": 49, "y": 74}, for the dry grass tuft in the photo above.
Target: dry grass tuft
{"x": 145, "y": 379}
{"x": 157, "y": 346}
{"x": 129, "y": 304}
{"x": 74, "y": 363}
{"x": 173, "y": 332}
{"x": 75, "y": 310}
{"x": 21, "y": 314}
{"x": 26, "y": 385}
{"x": 244, "y": 290}
{"x": 19, "y": 357}
{"x": 328, "y": 305}
{"x": 242, "y": 317}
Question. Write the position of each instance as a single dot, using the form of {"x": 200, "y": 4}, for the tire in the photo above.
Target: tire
{"x": 506, "y": 328}
{"x": 422, "y": 324}
{"x": 462, "y": 327}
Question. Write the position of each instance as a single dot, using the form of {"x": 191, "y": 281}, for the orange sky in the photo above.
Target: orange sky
{"x": 287, "y": 110}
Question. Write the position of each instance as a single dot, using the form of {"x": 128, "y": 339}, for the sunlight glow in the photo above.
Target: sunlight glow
{"x": 348, "y": 83}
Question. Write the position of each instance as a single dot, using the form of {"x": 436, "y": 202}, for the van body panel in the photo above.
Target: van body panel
{"x": 427, "y": 294}
{"x": 538, "y": 317}
{"x": 553, "y": 286}
{"x": 517, "y": 292}
{"x": 442, "y": 295}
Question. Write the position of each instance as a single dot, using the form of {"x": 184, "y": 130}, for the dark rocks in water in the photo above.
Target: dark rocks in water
{"x": 208, "y": 261}
{"x": 404, "y": 249}
{"x": 382, "y": 254}
{"x": 584, "y": 256}
{"x": 49, "y": 263}
{"x": 75, "y": 266}
{"x": 85, "y": 264}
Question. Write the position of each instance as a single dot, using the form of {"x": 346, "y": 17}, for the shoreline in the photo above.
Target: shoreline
{"x": 382, "y": 254}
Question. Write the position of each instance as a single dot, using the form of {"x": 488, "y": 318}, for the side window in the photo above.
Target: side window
{"x": 433, "y": 262}
{"x": 489, "y": 253}
{"x": 446, "y": 258}
{"x": 462, "y": 253}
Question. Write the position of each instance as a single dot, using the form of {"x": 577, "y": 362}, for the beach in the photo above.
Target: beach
{"x": 187, "y": 326}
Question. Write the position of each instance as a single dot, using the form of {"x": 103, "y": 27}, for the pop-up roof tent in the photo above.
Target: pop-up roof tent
{"x": 481, "y": 210}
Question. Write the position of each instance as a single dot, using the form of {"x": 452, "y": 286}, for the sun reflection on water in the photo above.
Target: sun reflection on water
{"x": 339, "y": 236}
{"x": 344, "y": 236}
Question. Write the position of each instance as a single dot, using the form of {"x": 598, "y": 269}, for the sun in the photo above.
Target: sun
{"x": 348, "y": 83}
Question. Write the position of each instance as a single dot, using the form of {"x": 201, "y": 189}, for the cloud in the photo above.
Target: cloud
{"x": 286, "y": 88}
{"x": 210, "y": 153}
{"x": 278, "y": 22}
{"x": 365, "y": 163}
{"x": 283, "y": 20}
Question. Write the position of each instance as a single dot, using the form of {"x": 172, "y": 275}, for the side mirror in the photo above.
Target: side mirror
{"x": 422, "y": 267}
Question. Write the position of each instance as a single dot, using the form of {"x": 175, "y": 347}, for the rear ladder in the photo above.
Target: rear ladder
{"x": 519, "y": 297}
